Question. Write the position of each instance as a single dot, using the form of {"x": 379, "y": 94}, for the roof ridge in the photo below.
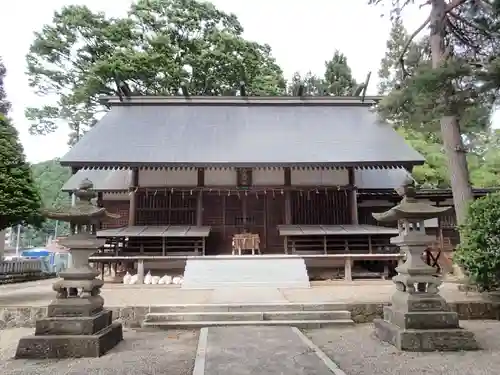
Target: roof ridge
{"x": 242, "y": 100}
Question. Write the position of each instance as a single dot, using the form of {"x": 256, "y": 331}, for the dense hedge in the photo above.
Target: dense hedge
{"x": 479, "y": 250}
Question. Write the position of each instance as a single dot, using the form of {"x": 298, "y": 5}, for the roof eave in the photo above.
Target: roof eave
{"x": 354, "y": 164}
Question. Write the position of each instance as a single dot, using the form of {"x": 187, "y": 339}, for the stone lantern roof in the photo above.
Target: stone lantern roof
{"x": 410, "y": 208}
{"x": 84, "y": 210}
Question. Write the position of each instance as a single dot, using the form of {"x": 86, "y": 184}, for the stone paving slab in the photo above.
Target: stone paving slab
{"x": 259, "y": 350}
{"x": 141, "y": 352}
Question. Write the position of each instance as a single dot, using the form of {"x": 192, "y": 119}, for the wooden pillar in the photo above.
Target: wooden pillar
{"x": 199, "y": 200}
{"x": 134, "y": 184}
{"x": 72, "y": 226}
{"x": 353, "y": 197}
{"x": 288, "y": 201}
{"x": 100, "y": 203}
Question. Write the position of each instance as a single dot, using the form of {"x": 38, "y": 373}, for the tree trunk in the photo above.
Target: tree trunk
{"x": 450, "y": 127}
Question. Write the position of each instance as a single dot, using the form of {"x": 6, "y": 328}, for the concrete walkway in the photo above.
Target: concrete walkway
{"x": 259, "y": 350}
{"x": 40, "y": 293}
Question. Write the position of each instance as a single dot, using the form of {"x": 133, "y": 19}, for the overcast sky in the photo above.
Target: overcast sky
{"x": 302, "y": 33}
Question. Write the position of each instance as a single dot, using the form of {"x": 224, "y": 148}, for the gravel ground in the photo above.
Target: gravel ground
{"x": 358, "y": 352}
{"x": 141, "y": 352}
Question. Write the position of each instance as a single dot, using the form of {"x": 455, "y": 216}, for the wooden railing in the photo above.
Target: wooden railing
{"x": 20, "y": 269}
{"x": 339, "y": 244}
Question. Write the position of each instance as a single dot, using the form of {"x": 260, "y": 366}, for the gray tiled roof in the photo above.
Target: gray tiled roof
{"x": 103, "y": 180}
{"x": 119, "y": 180}
{"x": 380, "y": 179}
{"x": 202, "y": 135}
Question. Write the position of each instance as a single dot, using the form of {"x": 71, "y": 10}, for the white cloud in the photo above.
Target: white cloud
{"x": 302, "y": 34}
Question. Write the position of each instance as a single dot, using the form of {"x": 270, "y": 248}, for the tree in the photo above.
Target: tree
{"x": 338, "y": 76}
{"x": 461, "y": 72}
{"x": 19, "y": 198}
{"x": 433, "y": 173}
{"x": 311, "y": 83}
{"x": 479, "y": 250}
{"x": 337, "y": 79}
{"x": 160, "y": 45}
{"x": 4, "y": 103}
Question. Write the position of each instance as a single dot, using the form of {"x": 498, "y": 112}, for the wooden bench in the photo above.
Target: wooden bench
{"x": 350, "y": 258}
{"x": 159, "y": 240}
{"x": 246, "y": 242}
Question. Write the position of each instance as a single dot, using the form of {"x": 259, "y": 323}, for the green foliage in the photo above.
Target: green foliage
{"x": 4, "y": 103}
{"x": 415, "y": 92}
{"x": 19, "y": 198}
{"x": 49, "y": 177}
{"x": 337, "y": 79}
{"x": 338, "y": 76}
{"x": 483, "y": 159}
{"x": 434, "y": 173}
{"x": 82, "y": 55}
{"x": 479, "y": 251}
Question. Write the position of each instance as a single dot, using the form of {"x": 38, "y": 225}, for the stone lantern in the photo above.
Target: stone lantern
{"x": 77, "y": 325}
{"x": 419, "y": 319}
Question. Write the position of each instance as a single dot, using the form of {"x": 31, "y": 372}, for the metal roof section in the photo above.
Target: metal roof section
{"x": 269, "y": 133}
{"x": 329, "y": 230}
{"x": 103, "y": 180}
{"x": 156, "y": 231}
{"x": 380, "y": 179}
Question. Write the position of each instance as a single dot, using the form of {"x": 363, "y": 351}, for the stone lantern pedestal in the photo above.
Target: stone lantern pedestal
{"x": 77, "y": 325}
{"x": 419, "y": 319}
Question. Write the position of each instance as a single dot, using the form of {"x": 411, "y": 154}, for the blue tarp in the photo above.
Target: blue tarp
{"x": 36, "y": 253}
{"x": 51, "y": 261}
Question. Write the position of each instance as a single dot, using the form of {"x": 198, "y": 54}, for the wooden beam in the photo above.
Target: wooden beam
{"x": 199, "y": 198}
{"x": 199, "y": 209}
{"x": 288, "y": 196}
{"x": 132, "y": 203}
{"x": 353, "y": 197}
{"x": 243, "y": 91}
{"x": 201, "y": 177}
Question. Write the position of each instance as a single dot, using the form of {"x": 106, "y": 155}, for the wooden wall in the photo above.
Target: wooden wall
{"x": 320, "y": 207}
{"x": 165, "y": 208}
{"x": 119, "y": 207}
{"x": 231, "y": 214}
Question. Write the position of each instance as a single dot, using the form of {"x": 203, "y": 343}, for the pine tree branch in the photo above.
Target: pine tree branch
{"x": 453, "y": 5}
{"x": 408, "y": 43}
{"x": 461, "y": 36}
{"x": 473, "y": 25}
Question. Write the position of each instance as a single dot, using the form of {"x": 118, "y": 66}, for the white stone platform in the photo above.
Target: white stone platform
{"x": 276, "y": 271}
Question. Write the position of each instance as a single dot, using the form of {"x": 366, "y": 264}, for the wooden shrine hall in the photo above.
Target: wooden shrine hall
{"x": 227, "y": 175}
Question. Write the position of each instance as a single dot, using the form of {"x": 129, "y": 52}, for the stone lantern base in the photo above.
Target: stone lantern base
{"x": 74, "y": 327}
{"x": 423, "y": 323}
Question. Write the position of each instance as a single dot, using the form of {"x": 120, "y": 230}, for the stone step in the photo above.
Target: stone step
{"x": 248, "y": 316}
{"x": 252, "y": 307}
{"x": 305, "y": 324}
{"x": 241, "y": 271}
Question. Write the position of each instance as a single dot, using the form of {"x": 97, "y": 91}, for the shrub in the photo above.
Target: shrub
{"x": 479, "y": 250}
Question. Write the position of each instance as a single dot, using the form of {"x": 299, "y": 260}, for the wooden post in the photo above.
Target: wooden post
{"x": 140, "y": 271}
{"x": 353, "y": 201}
{"x": 199, "y": 200}
{"x": 348, "y": 269}
{"x": 288, "y": 203}
{"x": 134, "y": 184}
